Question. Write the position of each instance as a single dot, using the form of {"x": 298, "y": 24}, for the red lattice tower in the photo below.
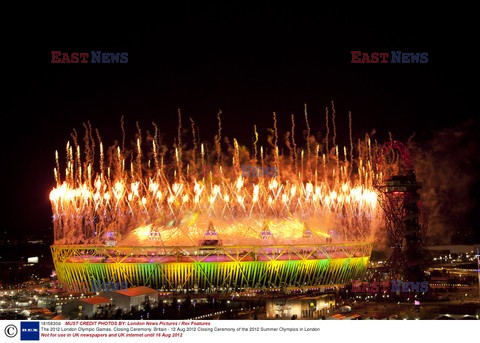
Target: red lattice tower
{"x": 406, "y": 219}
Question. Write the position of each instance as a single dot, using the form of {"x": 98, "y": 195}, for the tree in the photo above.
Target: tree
{"x": 188, "y": 302}
{"x": 118, "y": 314}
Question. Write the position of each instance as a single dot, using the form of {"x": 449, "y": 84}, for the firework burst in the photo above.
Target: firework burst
{"x": 185, "y": 195}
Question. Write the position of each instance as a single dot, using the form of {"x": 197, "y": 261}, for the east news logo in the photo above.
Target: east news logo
{"x": 29, "y": 331}
{"x": 389, "y": 57}
{"x": 89, "y": 57}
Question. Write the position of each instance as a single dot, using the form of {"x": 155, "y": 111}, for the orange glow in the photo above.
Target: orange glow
{"x": 173, "y": 204}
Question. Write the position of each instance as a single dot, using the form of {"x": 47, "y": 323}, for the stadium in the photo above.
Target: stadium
{"x": 197, "y": 218}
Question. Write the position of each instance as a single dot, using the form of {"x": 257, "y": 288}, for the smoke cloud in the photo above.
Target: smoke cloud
{"x": 447, "y": 163}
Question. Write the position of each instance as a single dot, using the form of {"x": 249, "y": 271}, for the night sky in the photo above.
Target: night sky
{"x": 248, "y": 62}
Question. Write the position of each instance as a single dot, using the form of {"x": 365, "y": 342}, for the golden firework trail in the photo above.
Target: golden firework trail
{"x": 155, "y": 195}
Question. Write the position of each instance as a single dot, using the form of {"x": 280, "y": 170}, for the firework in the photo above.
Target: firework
{"x": 171, "y": 197}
